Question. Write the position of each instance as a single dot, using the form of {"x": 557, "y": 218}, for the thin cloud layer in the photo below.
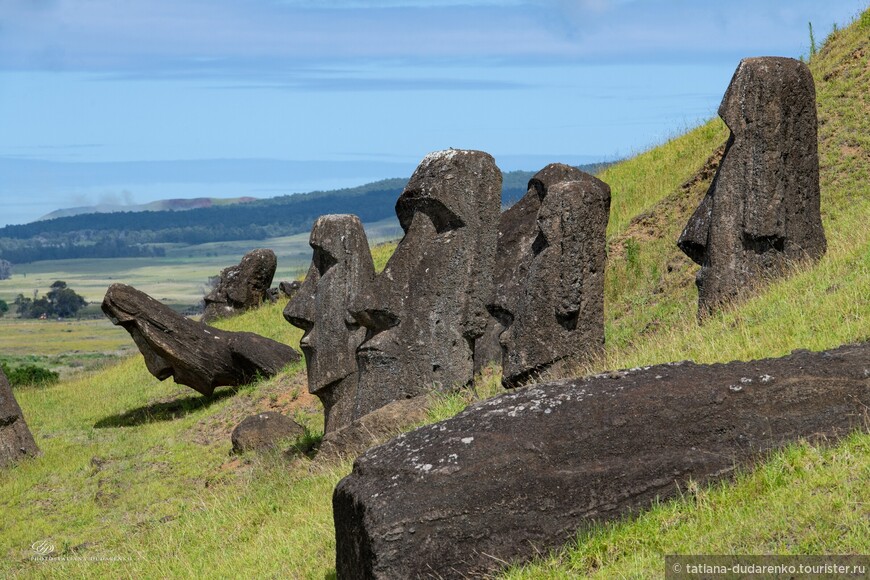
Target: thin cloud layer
{"x": 198, "y": 36}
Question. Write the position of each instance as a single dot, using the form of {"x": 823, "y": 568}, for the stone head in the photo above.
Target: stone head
{"x": 341, "y": 266}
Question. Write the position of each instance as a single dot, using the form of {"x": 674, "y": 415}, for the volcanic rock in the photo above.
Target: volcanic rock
{"x": 424, "y": 312}
{"x": 549, "y": 281}
{"x": 373, "y": 428}
{"x": 16, "y": 441}
{"x": 762, "y": 211}
{"x": 520, "y": 474}
{"x": 194, "y": 354}
{"x": 242, "y": 287}
{"x": 264, "y": 431}
{"x": 341, "y": 267}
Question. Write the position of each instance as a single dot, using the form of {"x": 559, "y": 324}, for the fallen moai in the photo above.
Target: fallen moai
{"x": 340, "y": 268}
{"x": 242, "y": 287}
{"x": 194, "y": 354}
{"x": 762, "y": 210}
{"x": 549, "y": 280}
{"x": 424, "y": 312}
{"x": 516, "y": 475}
{"x": 16, "y": 441}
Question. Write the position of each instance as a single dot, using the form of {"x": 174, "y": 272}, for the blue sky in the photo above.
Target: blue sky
{"x": 135, "y": 100}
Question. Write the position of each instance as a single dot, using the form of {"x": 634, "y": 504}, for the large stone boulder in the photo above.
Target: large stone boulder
{"x": 193, "y": 354}
{"x": 16, "y": 442}
{"x": 264, "y": 431}
{"x": 424, "y": 312}
{"x": 549, "y": 281}
{"x": 517, "y": 475}
{"x": 242, "y": 287}
{"x": 341, "y": 267}
{"x": 762, "y": 211}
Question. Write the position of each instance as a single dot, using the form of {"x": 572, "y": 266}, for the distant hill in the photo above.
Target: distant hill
{"x": 160, "y": 205}
{"x": 134, "y": 233}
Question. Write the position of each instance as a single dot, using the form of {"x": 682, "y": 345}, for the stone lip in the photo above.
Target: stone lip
{"x": 16, "y": 441}
{"x": 521, "y": 473}
{"x": 194, "y": 354}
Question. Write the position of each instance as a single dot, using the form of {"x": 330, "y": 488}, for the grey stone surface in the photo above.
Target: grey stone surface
{"x": 288, "y": 288}
{"x": 550, "y": 296}
{"x": 762, "y": 210}
{"x": 264, "y": 431}
{"x": 341, "y": 267}
{"x": 517, "y": 475}
{"x": 16, "y": 441}
{"x": 192, "y": 353}
{"x": 424, "y": 312}
{"x": 373, "y": 428}
{"x": 242, "y": 287}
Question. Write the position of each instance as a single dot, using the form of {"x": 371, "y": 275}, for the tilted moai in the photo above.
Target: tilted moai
{"x": 242, "y": 287}
{"x": 549, "y": 290}
{"x": 16, "y": 441}
{"x": 762, "y": 209}
{"x": 192, "y": 353}
{"x": 425, "y": 311}
{"x": 341, "y": 267}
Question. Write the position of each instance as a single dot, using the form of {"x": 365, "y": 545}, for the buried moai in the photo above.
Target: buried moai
{"x": 241, "y": 287}
{"x": 192, "y": 353}
{"x": 16, "y": 441}
{"x": 340, "y": 268}
{"x": 762, "y": 209}
{"x": 549, "y": 278}
{"x": 425, "y": 311}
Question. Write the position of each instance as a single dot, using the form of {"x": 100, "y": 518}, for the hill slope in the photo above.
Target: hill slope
{"x": 137, "y": 472}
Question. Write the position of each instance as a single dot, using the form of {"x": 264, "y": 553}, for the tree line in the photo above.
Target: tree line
{"x": 140, "y": 234}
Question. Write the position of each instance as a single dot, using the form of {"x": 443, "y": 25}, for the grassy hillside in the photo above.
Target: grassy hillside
{"x": 136, "y": 477}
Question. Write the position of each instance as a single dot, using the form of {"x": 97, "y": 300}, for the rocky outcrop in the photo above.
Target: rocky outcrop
{"x": 16, "y": 441}
{"x": 193, "y": 354}
{"x": 340, "y": 268}
{"x": 762, "y": 210}
{"x": 424, "y": 312}
{"x": 549, "y": 279}
{"x": 264, "y": 431}
{"x": 519, "y": 474}
{"x": 242, "y": 287}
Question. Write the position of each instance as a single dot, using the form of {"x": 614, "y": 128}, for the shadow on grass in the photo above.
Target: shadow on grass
{"x": 163, "y": 411}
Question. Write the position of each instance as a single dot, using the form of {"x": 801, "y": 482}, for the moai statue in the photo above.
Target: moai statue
{"x": 16, "y": 441}
{"x": 193, "y": 354}
{"x": 552, "y": 303}
{"x": 242, "y": 287}
{"x": 425, "y": 311}
{"x": 341, "y": 267}
{"x": 517, "y": 230}
{"x": 762, "y": 209}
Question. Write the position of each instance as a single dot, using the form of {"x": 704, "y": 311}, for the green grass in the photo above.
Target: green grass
{"x": 140, "y": 471}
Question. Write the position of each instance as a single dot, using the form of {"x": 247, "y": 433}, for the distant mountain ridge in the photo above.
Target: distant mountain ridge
{"x": 130, "y": 233}
{"x": 160, "y": 205}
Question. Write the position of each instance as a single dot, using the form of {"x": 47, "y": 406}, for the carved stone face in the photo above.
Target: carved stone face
{"x": 424, "y": 311}
{"x": 556, "y": 312}
{"x": 762, "y": 209}
{"x": 340, "y": 267}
